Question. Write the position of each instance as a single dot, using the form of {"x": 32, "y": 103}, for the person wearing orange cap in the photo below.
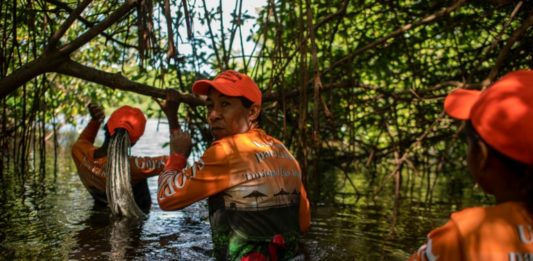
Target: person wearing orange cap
{"x": 258, "y": 206}
{"x": 91, "y": 161}
{"x": 499, "y": 130}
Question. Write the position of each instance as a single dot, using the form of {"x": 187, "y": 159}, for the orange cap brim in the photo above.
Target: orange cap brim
{"x": 201, "y": 87}
{"x": 459, "y": 102}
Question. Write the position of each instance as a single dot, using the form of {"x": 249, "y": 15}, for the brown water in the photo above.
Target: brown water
{"x": 53, "y": 218}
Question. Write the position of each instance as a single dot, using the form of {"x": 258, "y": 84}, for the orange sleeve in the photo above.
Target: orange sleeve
{"x": 208, "y": 176}
{"x": 89, "y": 170}
{"x": 84, "y": 144}
{"x": 144, "y": 167}
{"x": 89, "y": 133}
{"x": 176, "y": 161}
{"x": 443, "y": 243}
{"x": 305, "y": 212}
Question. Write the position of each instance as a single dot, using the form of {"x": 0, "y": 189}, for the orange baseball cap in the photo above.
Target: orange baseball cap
{"x": 230, "y": 83}
{"x": 130, "y": 118}
{"x": 502, "y": 114}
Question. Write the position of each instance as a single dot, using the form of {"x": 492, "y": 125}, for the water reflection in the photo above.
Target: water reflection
{"x": 91, "y": 239}
{"x": 55, "y": 218}
{"x": 64, "y": 224}
{"x": 162, "y": 236}
{"x": 124, "y": 237}
{"x": 106, "y": 237}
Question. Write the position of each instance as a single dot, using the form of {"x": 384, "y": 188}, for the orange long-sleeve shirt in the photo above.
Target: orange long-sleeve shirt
{"x": 91, "y": 170}
{"x": 501, "y": 232}
{"x": 251, "y": 179}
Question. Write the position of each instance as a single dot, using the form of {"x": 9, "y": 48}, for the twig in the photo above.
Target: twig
{"x": 505, "y": 51}
{"x": 117, "y": 81}
{"x": 64, "y": 27}
{"x": 211, "y": 35}
{"x": 400, "y": 161}
{"x": 110, "y": 20}
{"x": 426, "y": 20}
{"x": 171, "y": 53}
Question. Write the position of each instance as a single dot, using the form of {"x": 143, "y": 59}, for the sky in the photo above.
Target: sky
{"x": 249, "y": 7}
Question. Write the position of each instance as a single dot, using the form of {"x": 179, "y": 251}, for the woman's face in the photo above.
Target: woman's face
{"x": 226, "y": 115}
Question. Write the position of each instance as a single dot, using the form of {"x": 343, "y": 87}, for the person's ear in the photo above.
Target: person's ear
{"x": 254, "y": 112}
{"x": 483, "y": 154}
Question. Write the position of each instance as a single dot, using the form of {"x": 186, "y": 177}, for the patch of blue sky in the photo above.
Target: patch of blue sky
{"x": 200, "y": 30}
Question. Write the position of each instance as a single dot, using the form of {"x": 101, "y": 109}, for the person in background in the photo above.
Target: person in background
{"x": 258, "y": 206}
{"x": 91, "y": 161}
{"x": 499, "y": 130}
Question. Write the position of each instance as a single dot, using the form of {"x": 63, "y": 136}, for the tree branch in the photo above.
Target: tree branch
{"x": 426, "y": 20}
{"x": 508, "y": 45}
{"x": 29, "y": 71}
{"x": 64, "y": 27}
{"x": 171, "y": 51}
{"x": 211, "y": 35}
{"x": 48, "y": 60}
{"x": 89, "y": 24}
{"x": 327, "y": 19}
{"x": 110, "y": 20}
{"x": 117, "y": 81}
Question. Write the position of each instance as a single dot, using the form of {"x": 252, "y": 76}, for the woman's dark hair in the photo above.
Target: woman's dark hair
{"x": 511, "y": 164}
{"x": 522, "y": 171}
{"x": 107, "y": 135}
{"x": 247, "y": 104}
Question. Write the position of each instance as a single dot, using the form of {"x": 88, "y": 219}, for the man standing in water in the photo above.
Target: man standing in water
{"x": 257, "y": 203}
{"x": 94, "y": 164}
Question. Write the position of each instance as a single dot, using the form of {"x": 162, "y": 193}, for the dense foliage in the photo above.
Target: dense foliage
{"x": 352, "y": 87}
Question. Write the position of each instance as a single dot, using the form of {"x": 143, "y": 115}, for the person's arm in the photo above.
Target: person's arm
{"x": 145, "y": 167}
{"x": 305, "y": 212}
{"x": 90, "y": 171}
{"x": 97, "y": 117}
{"x": 180, "y": 142}
{"x": 170, "y": 107}
{"x": 443, "y": 244}
{"x": 179, "y": 188}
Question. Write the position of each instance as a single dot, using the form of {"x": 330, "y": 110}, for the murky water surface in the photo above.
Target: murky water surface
{"x": 53, "y": 218}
